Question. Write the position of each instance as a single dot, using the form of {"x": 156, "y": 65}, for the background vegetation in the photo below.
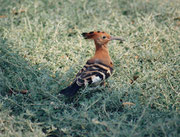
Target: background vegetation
{"x": 41, "y": 50}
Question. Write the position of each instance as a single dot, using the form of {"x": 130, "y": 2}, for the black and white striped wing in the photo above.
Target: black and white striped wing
{"x": 93, "y": 73}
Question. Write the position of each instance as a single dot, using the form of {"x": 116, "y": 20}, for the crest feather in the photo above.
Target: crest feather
{"x": 88, "y": 35}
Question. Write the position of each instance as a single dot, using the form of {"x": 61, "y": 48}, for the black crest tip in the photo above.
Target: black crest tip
{"x": 84, "y": 35}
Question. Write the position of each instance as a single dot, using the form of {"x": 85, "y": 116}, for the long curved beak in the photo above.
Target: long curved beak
{"x": 117, "y": 38}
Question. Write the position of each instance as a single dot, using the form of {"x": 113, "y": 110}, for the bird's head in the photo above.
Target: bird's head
{"x": 100, "y": 38}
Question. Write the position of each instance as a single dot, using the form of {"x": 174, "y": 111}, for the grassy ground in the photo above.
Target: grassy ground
{"x": 41, "y": 50}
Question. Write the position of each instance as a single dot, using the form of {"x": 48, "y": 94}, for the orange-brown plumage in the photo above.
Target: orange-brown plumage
{"x": 98, "y": 68}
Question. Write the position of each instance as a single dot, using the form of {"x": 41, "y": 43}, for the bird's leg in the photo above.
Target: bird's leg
{"x": 103, "y": 83}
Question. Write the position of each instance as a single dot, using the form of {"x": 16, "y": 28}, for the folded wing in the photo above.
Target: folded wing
{"x": 93, "y": 73}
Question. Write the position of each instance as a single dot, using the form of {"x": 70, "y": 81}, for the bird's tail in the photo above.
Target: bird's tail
{"x": 71, "y": 90}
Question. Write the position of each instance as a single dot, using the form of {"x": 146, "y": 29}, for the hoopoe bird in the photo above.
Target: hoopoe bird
{"x": 98, "y": 68}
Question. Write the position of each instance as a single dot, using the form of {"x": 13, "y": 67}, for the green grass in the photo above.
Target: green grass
{"x": 41, "y": 50}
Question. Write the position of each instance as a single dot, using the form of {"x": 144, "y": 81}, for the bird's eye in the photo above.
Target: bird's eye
{"x": 104, "y": 37}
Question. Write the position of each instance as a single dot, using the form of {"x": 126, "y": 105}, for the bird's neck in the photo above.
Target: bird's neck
{"x": 102, "y": 55}
{"x": 102, "y": 49}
